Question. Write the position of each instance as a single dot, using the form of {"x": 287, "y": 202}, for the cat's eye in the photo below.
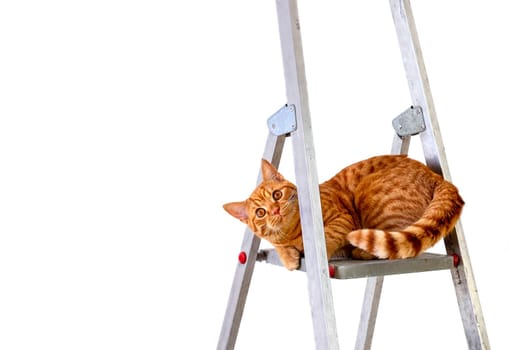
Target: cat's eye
{"x": 260, "y": 212}
{"x": 277, "y": 194}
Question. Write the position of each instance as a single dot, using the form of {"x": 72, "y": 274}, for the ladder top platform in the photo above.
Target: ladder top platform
{"x": 349, "y": 268}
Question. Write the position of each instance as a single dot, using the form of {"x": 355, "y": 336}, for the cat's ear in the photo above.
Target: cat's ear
{"x": 237, "y": 210}
{"x": 269, "y": 172}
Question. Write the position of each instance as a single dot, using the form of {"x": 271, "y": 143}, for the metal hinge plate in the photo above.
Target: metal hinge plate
{"x": 283, "y": 122}
{"x": 410, "y": 122}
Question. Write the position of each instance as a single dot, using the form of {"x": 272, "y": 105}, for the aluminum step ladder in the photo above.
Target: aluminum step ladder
{"x": 293, "y": 120}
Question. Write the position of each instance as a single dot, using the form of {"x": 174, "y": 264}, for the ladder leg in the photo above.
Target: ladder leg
{"x": 244, "y": 272}
{"x": 321, "y": 302}
{"x": 433, "y": 148}
{"x": 400, "y": 145}
{"x": 466, "y": 291}
{"x": 374, "y": 285}
{"x": 367, "y": 323}
{"x": 238, "y": 293}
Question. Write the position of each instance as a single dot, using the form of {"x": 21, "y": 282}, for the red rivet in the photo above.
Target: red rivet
{"x": 331, "y": 270}
{"x": 456, "y": 259}
{"x": 242, "y": 258}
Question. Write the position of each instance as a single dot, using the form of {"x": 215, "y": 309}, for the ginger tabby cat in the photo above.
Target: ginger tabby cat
{"x": 385, "y": 207}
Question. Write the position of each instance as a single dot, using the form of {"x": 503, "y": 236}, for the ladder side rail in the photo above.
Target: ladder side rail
{"x": 434, "y": 151}
{"x": 243, "y": 273}
{"x": 466, "y": 291}
{"x": 319, "y": 287}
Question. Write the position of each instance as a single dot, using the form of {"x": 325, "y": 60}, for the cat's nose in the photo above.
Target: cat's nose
{"x": 275, "y": 211}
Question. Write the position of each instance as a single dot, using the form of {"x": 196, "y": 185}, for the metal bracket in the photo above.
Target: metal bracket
{"x": 410, "y": 122}
{"x": 283, "y": 121}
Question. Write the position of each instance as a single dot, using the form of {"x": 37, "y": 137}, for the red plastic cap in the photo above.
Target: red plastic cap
{"x": 331, "y": 271}
{"x": 456, "y": 259}
{"x": 242, "y": 258}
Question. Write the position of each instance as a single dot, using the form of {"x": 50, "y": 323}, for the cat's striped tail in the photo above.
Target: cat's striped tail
{"x": 438, "y": 219}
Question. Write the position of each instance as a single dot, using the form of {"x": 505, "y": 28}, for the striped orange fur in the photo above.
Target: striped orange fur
{"x": 384, "y": 207}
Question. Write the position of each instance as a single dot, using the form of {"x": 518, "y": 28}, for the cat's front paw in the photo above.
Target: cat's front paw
{"x": 290, "y": 257}
{"x": 292, "y": 264}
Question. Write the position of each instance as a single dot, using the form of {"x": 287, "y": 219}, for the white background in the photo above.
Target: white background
{"x": 125, "y": 125}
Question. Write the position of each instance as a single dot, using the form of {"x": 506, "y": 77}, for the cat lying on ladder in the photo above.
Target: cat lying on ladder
{"x": 385, "y": 207}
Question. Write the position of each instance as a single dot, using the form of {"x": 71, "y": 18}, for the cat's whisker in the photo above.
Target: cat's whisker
{"x": 263, "y": 229}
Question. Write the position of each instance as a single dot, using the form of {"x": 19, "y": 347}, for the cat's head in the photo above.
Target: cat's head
{"x": 272, "y": 210}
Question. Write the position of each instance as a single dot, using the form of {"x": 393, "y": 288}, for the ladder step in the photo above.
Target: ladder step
{"x": 348, "y": 268}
